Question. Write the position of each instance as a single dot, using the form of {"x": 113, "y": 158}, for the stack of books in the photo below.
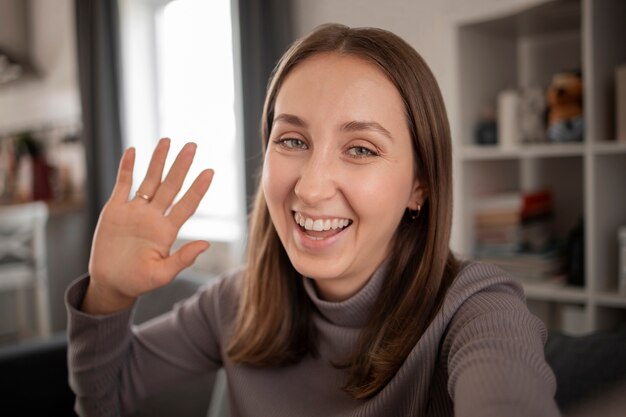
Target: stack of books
{"x": 514, "y": 231}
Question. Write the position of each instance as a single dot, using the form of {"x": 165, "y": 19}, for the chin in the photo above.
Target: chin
{"x": 323, "y": 269}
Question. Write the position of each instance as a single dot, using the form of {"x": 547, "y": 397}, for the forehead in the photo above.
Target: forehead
{"x": 333, "y": 85}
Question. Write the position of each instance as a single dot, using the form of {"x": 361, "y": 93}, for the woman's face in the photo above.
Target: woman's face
{"x": 339, "y": 170}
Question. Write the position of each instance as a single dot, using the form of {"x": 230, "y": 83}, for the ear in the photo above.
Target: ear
{"x": 419, "y": 194}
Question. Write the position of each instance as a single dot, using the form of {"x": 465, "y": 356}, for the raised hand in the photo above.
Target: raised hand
{"x": 130, "y": 253}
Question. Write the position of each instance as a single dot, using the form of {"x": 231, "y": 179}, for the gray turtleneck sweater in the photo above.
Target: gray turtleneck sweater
{"x": 481, "y": 356}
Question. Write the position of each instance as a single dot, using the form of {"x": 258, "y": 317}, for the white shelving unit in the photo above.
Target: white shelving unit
{"x": 518, "y": 44}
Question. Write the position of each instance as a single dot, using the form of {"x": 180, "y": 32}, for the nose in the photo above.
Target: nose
{"x": 317, "y": 181}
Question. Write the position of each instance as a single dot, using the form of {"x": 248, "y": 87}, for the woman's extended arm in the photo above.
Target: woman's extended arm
{"x": 111, "y": 366}
{"x": 495, "y": 358}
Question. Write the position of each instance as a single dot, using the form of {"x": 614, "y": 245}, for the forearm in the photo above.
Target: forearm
{"x": 99, "y": 345}
{"x": 113, "y": 365}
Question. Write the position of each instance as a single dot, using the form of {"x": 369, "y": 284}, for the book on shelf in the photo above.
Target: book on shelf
{"x": 527, "y": 266}
{"x": 514, "y": 231}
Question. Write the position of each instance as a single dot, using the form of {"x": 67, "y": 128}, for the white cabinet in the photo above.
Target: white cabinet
{"x": 520, "y": 44}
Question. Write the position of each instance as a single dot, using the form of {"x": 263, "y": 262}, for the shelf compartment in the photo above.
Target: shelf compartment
{"x": 609, "y": 196}
{"x": 610, "y": 318}
{"x": 516, "y": 51}
{"x": 567, "y": 317}
{"x": 606, "y": 50}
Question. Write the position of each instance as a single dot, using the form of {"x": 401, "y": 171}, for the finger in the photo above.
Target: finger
{"x": 174, "y": 181}
{"x": 184, "y": 257}
{"x": 154, "y": 174}
{"x": 124, "y": 177}
{"x": 187, "y": 205}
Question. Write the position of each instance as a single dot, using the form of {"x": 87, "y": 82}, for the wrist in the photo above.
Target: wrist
{"x": 102, "y": 300}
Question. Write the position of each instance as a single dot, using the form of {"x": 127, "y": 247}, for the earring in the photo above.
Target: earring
{"x": 415, "y": 213}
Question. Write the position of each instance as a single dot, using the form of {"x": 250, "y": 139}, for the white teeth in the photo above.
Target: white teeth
{"x": 319, "y": 224}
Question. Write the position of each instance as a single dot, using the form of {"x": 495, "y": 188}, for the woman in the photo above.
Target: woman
{"x": 351, "y": 302}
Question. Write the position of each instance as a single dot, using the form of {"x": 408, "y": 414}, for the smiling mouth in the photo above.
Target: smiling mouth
{"x": 318, "y": 229}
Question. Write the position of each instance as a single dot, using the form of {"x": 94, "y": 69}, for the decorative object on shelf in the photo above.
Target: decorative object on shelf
{"x": 565, "y": 107}
{"x": 533, "y": 108}
{"x": 575, "y": 255}
{"x": 31, "y": 158}
{"x": 486, "y": 132}
{"x": 621, "y": 236}
{"x": 508, "y": 118}
{"x": 620, "y": 103}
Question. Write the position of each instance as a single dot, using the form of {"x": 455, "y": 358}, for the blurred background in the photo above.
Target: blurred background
{"x": 535, "y": 91}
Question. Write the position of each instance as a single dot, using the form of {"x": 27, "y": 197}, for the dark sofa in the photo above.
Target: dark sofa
{"x": 34, "y": 379}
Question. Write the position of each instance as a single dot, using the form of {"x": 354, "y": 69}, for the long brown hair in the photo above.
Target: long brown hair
{"x": 274, "y": 325}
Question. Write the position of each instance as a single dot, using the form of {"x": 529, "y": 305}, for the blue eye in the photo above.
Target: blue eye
{"x": 292, "y": 143}
{"x": 361, "y": 152}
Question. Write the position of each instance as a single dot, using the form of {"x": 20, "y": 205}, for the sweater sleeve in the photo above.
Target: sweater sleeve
{"x": 113, "y": 364}
{"x": 495, "y": 357}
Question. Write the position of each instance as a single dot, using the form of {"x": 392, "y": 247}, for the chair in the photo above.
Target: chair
{"x": 23, "y": 264}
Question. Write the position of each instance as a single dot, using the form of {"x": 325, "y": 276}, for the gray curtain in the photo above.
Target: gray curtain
{"x": 97, "y": 32}
{"x": 265, "y": 32}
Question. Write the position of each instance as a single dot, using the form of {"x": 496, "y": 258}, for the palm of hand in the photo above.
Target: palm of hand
{"x": 133, "y": 240}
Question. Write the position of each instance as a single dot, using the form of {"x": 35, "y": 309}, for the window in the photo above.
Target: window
{"x": 179, "y": 82}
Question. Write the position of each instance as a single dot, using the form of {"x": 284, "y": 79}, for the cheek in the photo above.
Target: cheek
{"x": 276, "y": 182}
{"x": 383, "y": 195}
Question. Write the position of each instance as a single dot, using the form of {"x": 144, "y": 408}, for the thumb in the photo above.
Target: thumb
{"x": 184, "y": 257}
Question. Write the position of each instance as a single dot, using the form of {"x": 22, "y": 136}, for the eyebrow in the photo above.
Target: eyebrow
{"x": 356, "y": 126}
{"x": 353, "y": 126}
{"x": 291, "y": 119}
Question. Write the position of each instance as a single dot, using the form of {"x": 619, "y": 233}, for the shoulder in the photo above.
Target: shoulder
{"x": 480, "y": 288}
{"x": 476, "y": 277}
{"x": 487, "y": 302}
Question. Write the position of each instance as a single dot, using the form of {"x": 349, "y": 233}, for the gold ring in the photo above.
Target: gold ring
{"x": 144, "y": 196}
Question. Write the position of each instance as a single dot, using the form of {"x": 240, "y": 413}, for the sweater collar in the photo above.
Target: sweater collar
{"x": 354, "y": 311}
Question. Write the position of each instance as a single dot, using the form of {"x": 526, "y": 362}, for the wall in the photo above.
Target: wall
{"x": 420, "y": 23}
{"x": 52, "y": 96}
